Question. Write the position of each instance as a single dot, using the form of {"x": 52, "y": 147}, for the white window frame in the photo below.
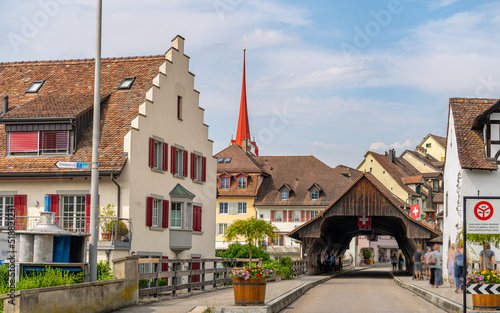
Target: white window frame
{"x": 314, "y": 195}
{"x": 284, "y": 195}
{"x": 72, "y": 212}
{"x": 158, "y": 154}
{"x": 278, "y": 216}
{"x": 242, "y": 182}
{"x": 314, "y": 214}
{"x": 186, "y": 216}
{"x": 176, "y": 221}
{"x": 198, "y": 164}
{"x": 222, "y": 185}
{"x": 222, "y": 228}
{"x": 6, "y": 204}
{"x": 226, "y": 209}
{"x": 296, "y": 216}
{"x": 242, "y": 208}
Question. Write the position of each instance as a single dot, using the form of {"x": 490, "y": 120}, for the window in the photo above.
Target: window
{"x": 127, "y": 83}
{"x": 35, "y": 86}
{"x": 179, "y": 161}
{"x": 227, "y": 160}
{"x": 314, "y": 195}
{"x": 39, "y": 142}
{"x": 222, "y": 228}
{"x": 223, "y": 207}
{"x": 314, "y": 214}
{"x": 278, "y": 240}
{"x": 179, "y": 108}
{"x": 428, "y": 145}
{"x": 198, "y": 167}
{"x": 371, "y": 169}
{"x": 242, "y": 208}
{"x": 73, "y": 212}
{"x": 242, "y": 182}
{"x": 224, "y": 183}
{"x": 284, "y": 195}
{"x": 296, "y": 216}
{"x": 435, "y": 185}
{"x": 158, "y": 154}
{"x": 157, "y": 212}
{"x": 176, "y": 215}
{"x": 197, "y": 212}
{"x": 278, "y": 216}
{"x": 6, "y": 205}
{"x": 220, "y": 160}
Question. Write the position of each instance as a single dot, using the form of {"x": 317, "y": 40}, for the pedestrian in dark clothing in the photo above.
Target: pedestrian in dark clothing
{"x": 394, "y": 261}
{"x": 400, "y": 263}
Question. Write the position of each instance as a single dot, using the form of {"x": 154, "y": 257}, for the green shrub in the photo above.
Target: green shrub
{"x": 104, "y": 271}
{"x": 48, "y": 278}
{"x": 239, "y": 251}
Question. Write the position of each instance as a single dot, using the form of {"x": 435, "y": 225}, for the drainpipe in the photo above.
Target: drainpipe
{"x": 118, "y": 210}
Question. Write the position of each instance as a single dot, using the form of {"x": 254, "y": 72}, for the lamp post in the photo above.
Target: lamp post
{"x": 94, "y": 178}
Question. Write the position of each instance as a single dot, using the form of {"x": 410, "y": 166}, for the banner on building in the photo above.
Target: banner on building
{"x": 415, "y": 210}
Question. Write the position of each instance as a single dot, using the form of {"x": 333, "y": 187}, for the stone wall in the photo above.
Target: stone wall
{"x": 102, "y": 296}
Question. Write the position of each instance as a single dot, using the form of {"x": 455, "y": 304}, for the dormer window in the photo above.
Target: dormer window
{"x": 35, "y": 86}
{"x": 39, "y": 143}
{"x": 242, "y": 182}
{"x": 314, "y": 195}
{"x": 284, "y": 195}
{"x": 224, "y": 183}
{"x": 127, "y": 83}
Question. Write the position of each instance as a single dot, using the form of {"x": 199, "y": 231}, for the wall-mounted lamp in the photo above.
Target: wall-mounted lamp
{"x": 36, "y": 203}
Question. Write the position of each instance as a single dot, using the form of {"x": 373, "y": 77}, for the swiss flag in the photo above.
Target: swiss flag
{"x": 415, "y": 211}
{"x": 364, "y": 221}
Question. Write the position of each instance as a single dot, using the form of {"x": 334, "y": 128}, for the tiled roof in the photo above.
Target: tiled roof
{"x": 440, "y": 140}
{"x": 73, "y": 80}
{"x": 438, "y": 198}
{"x": 427, "y": 159}
{"x": 299, "y": 173}
{"x": 240, "y": 163}
{"x": 348, "y": 172}
{"x": 413, "y": 179}
{"x": 394, "y": 170}
{"x": 470, "y": 144}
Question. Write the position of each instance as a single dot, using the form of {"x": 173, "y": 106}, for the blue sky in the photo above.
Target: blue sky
{"x": 329, "y": 78}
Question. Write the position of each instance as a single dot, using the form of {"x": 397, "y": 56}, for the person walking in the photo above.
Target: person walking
{"x": 435, "y": 260}
{"x": 490, "y": 258}
{"x": 417, "y": 260}
{"x": 451, "y": 265}
{"x": 427, "y": 266}
{"x": 394, "y": 261}
{"x": 400, "y": 262}
{"x": 459, "y": 267}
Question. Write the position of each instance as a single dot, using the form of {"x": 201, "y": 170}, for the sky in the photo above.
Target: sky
{"x": 333, "y": 79}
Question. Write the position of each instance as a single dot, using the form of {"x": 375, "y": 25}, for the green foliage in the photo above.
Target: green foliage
{"x": 104, "y": 271}
{"x": 252, "y": 229}
{"x": 482, "y": 239}
{"x": 48, "y": 278}
{"x": 120, "y": 228}
{"x": 239, "y": 251}
{"x": 367, "y": 254}
{"x": 286, "y": 261}
{"x": 283, "y": 267}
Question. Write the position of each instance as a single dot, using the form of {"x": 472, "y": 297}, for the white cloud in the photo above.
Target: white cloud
{"x": 380, "y": 146}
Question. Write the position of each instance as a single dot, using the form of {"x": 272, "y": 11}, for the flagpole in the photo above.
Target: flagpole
{"x": 94, "y": 179}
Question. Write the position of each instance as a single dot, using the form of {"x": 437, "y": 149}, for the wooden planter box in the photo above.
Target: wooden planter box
{"x": 486, "y": 302}
{"x": 249, "y": 292}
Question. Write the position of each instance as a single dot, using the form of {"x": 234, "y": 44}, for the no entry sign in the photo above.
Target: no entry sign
{"x": 483, "y": 216}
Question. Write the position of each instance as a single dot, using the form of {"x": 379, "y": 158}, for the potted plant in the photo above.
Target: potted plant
{"x": 367, "y": 254}
{"x": 484, "y": 276}
{"x": 106, "y": 215}
{"x": 116, "y": 228}
{"x": 249, "y": 284}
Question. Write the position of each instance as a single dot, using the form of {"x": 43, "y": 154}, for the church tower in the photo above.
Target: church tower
{"x": 243, "y": 138}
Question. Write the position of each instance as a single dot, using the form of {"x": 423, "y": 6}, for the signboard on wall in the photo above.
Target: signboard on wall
{"x": 483, "y": 215}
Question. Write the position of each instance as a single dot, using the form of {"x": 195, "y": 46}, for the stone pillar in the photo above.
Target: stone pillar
{"x": 128, "y": 268}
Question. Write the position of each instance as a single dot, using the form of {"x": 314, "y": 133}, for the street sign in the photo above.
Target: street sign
{"x": 415, "y": 211}
{"x": 484, "y": 289}
{"x": 77, "y": 165}
{"x": 483, "y": 216}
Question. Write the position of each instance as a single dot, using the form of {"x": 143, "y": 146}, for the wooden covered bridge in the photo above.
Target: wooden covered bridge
{"x": 332, "y": 230}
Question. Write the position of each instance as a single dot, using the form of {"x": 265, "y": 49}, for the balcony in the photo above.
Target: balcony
{"x": 115, "y": 233}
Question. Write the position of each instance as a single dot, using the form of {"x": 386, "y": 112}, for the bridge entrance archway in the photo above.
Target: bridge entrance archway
{"x": 332, "y": 230}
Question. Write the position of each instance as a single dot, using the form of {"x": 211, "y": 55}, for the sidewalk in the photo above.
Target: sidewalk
{"x": 443, "y": 297}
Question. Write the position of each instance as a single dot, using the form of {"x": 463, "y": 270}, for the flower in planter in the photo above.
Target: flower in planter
{"x": 483, "y": 277}
{"x": 256, "y": 271}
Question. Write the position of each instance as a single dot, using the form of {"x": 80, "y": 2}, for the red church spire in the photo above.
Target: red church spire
{"x": 243, "y": 130}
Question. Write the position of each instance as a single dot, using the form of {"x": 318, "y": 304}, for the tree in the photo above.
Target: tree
{"x": 252, "y": 230}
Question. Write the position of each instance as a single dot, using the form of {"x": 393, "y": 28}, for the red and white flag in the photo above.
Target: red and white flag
{"x": 364, "y": 221}
{"x": 415, "y": 211}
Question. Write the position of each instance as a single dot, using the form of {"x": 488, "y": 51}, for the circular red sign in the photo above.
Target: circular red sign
{"x": 483, "y": 210}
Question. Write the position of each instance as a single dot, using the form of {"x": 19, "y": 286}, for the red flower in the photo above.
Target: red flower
{"x": 258, "y": 275}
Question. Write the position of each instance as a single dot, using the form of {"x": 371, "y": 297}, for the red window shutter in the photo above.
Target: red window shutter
{"x": 285, "y": 216}
{"x": 272, "y": 215}
{"x": 164, "y": 222}
{"x": 149, "y": 212}
{"x": 87, "y": 213}
{"x": 23, "y": 141}
{"x": 196, "y": 218}
{"x": 308, "y": 215}
{"x": 164, "y": 266}
{"x": 165, "y": 157}
{"x": 54, "y": 140}
{"x": 151, "y": 152}
{"x": 185, "y": 164}
{"x": 302, "y": 216}
{"x": 54, "y": 205}
{"x": 20, "y": 211}
{"x": 173, "y": 163}
{"x": 203, "y": 169}
{"x": 290, "y": 216}
{"x": 193, "y": 166}
{"x": 195, "y": 266}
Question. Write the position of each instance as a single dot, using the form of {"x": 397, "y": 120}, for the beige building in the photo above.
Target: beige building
{"x": 156, "y": 165}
